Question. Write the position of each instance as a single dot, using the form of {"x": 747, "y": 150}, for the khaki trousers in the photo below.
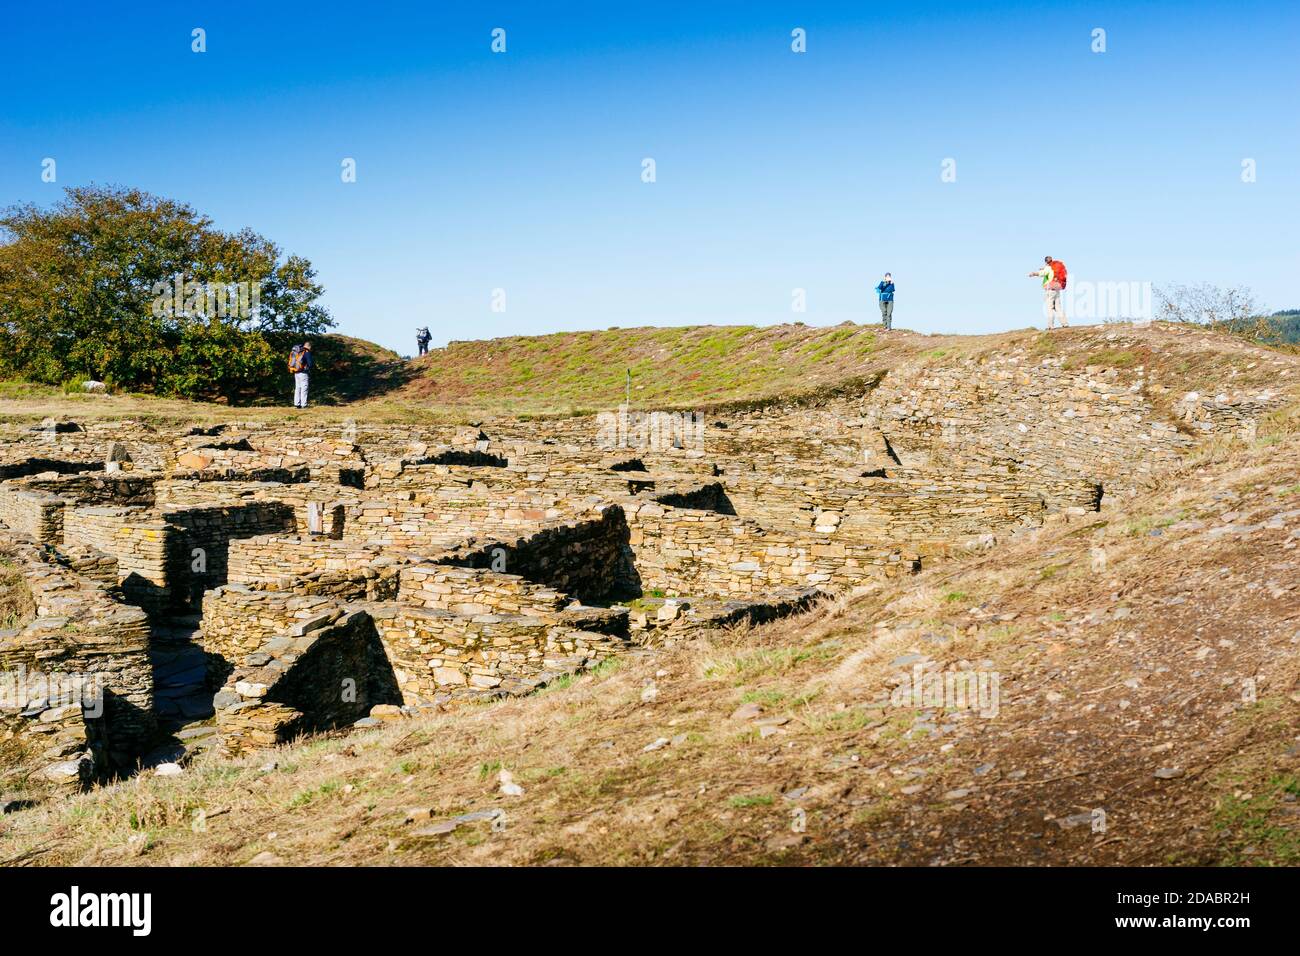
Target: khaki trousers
{"x": 1052, "y": 308}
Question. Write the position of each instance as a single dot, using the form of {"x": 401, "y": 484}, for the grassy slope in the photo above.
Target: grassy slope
{"x": 687, "y": 367}
{"x": 702, "y": 366}
{"x": 547, "y": 375}
{"x": 357, "y": 368}
{"x": 560, "y": 374}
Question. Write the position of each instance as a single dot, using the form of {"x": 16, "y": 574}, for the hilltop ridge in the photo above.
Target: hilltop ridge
{"x": 690, "y": 367}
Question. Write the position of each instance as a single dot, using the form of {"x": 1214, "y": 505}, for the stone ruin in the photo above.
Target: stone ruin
{"x": 242, "y": 584}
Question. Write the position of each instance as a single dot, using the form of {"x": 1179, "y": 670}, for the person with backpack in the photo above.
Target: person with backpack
{"x": 422, "y": 338}
{"x": 301, "y": 363}
{"x": 885, "y": 289}
{"x": 1054, "y": 277}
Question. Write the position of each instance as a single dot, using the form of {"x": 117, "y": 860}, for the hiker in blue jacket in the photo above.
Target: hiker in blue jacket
{"x": 885, "y": 289}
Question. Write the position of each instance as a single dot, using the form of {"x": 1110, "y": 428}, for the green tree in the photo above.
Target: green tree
{"x": 145, "y": 293}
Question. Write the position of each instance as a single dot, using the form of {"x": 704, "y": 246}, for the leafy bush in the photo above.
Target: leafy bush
{"x": 125, "y": 287}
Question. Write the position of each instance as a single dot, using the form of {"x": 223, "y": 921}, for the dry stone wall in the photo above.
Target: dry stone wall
{"x": 169, "y": 557}
{"x": 35, "y": 504}
{"x": 469, "y": 591}
{"x": 76, "y": 681}
{"x": 130, "y": 489}
{"x": 315, "y": 564}
{"x": 686, "y": 552}
{"x": 1046, "y": 418}
{"x": 443, "y": 521}
{"x": 141, "y": 542}
{"x": 1234, "y": 413}
{"x": 586, "y": 557}
{"x": 329, "y": 502}
{"x": 928, "y": 509}
{"x": 438, "y": 655}
{"x": 22, "y": 466}
{"x": 234, "y": 458}
{"x": 202, "y": 537}
{"x": 328, "y": 677}
{"x": 32, "y": 513}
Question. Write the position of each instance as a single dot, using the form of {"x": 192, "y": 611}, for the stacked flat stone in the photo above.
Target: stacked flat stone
{"x": 35, "y": 513}
{"x": 237, "y": 619}
{"x": 435, "y": 652}
{"x": 285, "y": 561}
{"x": 1050, "y": 419}
{"x": 682, "y": 551}
{"x": 1232, "y": 413}
{"x": 322, "y": 675}
{"x": 94, "y": 645}
{"x": 329, "y": 500}
{"x": 470, "y": 591}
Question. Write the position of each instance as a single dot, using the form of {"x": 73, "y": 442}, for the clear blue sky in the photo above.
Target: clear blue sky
{"x": 775, "y": 170}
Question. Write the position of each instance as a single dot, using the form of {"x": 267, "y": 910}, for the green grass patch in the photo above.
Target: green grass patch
{"x": 768, "y": 698}
{"x": 1260, "y": 820}
{"x": 752, "y": 800}
{"x": 307, "y": 797}
{"x": 1051, "y": 571}
{"x": 746, "y": 667}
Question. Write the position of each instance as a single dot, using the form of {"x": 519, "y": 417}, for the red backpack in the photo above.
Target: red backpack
{"x": 1058, "y": 271}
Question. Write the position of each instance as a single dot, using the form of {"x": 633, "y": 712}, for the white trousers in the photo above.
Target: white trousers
{"x": 299, "y": 389}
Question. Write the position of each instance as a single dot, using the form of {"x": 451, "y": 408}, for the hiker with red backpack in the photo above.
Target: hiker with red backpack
{"x": 300, "y": 366}
{"x": 1054, "y": 276}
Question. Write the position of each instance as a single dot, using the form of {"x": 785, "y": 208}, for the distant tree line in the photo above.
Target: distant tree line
{"x": 1231, "y": 309}
{"x": 1286, "y": 325}
{"x": 145, "y": 294}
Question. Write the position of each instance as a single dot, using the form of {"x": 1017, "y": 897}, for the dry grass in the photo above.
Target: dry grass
{"x": 16, "y": 605}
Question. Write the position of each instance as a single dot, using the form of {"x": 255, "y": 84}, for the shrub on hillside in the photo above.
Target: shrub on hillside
{"x": 1232, "y": 310}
